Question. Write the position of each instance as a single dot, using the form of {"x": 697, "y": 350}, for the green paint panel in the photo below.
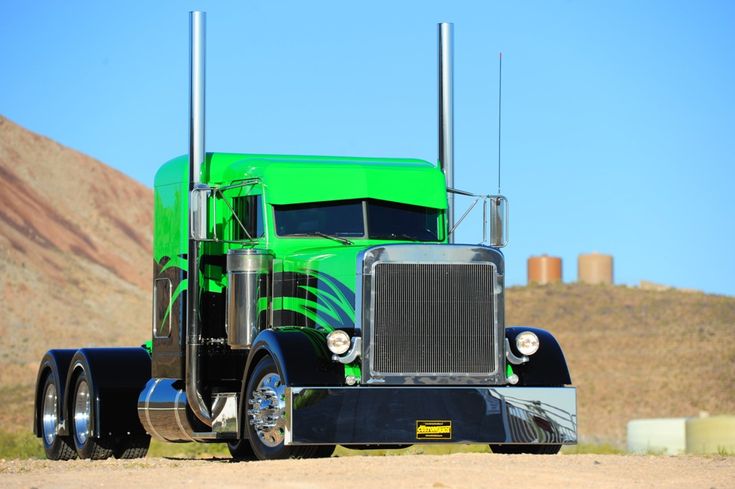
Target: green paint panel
{"x": 281, "y": 179}
{"x": 170, "y": 212}
{"x": 353, "y": 370}
{"x": 296, "y": 179}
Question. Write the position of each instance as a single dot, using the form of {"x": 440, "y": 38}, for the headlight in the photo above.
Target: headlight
{"x": 338, "y": 342}
{"x": 527, "y": 343}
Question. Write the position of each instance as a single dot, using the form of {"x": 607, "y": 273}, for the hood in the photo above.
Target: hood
{"x": 315, "y": 286}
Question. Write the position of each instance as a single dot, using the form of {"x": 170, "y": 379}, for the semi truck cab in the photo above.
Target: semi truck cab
{"x": 304, "y": 302}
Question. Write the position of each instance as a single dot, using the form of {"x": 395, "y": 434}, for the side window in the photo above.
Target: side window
{"x": 248, "y": 210}
{"x": 161, "y": 309}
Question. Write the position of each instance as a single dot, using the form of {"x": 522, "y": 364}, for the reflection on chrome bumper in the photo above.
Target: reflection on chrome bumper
{"x": 389, "y": 415}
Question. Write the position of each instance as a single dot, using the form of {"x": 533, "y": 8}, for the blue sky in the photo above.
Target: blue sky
{"x": 618, "y": 117}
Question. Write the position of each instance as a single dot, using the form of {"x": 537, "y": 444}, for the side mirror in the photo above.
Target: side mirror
{"x": 198, "y": 212}
{"x": 498, "y": 220}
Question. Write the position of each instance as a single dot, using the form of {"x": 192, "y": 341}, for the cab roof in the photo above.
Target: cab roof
{"x": 292, "y": 179}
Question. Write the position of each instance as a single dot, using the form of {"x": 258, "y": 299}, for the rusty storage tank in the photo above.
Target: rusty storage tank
{"x": 595, "y": 268}
{"x": 544, "y": 269}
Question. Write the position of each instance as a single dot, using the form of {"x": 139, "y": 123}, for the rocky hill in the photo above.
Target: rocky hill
{"x": 75, "y": 242}
{"x": 636, "y": 353}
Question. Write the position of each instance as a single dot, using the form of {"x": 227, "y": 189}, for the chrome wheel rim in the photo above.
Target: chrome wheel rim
{"x": 267, "y": 410}
{"x": 82, "y": 409}
{"x": 50, "y": 416}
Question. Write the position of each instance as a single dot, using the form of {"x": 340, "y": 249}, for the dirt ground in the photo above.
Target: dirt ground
{"x": 411, "y": 471}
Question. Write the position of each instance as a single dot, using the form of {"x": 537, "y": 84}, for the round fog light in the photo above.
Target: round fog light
{"x": 527, "y": 343}
{"x": 338, "y": 342}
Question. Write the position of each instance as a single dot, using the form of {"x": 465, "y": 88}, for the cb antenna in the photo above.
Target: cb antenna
{"x": 500, "y": 112}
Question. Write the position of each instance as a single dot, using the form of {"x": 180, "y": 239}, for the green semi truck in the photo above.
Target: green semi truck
{"x": 304, "y": 302}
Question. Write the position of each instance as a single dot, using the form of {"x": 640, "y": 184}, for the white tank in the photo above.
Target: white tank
{"x": 660, "y": 436}
{"x": 711, "y": 434}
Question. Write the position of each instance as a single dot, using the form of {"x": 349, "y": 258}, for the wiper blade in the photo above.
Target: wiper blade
{"x": 404, "y": 237}
{"x": 344, "y": 241}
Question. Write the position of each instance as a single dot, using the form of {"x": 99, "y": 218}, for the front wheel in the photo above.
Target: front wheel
{"x": 529, "y": 449}
{"x": 241, "y": 450}
{"x": 323, "y": 451}
{"x": 265, "y": 415}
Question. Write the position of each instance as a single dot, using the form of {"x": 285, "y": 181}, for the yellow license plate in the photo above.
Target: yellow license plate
{"x": 433, "y": 429}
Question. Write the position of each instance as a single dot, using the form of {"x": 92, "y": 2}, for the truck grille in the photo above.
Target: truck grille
{"x": 433, "y": 319}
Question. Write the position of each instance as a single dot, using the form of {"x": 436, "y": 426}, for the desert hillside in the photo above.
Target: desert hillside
{"x": 636, "y": 353}
{"x": 75, "y": 242}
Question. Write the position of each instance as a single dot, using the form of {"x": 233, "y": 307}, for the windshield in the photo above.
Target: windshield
{"x": 332, "y": 218}
{"x": 374, "y": 219}
{"x": 388, "y": 220}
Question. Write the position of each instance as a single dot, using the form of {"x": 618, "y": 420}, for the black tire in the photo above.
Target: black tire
{"x": 81, "y": 412}
{"x": 266, "y": 367}
{"x": 528, "y": 449}
{"x": 56, "y": 447}
{"x": 132, "y": 447}
{"x": 323, "y": 451}
{"x": 241, "y": 450}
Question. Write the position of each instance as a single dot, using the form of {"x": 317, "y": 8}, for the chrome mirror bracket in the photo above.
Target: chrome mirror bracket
{"x": 352, "y": 354}
{"x": 512, "y": 358}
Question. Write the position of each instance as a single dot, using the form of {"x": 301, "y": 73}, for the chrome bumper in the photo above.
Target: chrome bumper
{"x": 408, "y": 415}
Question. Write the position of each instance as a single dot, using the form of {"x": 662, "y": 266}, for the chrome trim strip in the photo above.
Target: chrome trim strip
{"x": 374, "y": 373}
{"x": 156, "y": 306}
{"x": 358, "y": 296}
{"x": 288, "y": 430}
{"x": 147, "y": 410}
{"x": 177, "y": 410}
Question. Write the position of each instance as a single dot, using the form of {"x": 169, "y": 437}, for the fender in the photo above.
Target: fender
{"x": 116, "y": 377}
{"x": 546, "y": 367}
{"x": 55, "y": 363}
{"x": 301, "y": 356}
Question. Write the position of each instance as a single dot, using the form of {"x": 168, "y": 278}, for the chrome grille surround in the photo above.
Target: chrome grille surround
{"x": 459, "y": 342}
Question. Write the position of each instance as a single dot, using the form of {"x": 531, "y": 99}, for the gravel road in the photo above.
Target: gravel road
{"x": 411, "y": 471}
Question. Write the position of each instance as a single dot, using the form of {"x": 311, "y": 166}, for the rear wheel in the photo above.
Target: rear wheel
{"x": 86, "y": 444}
{"x": 56, "y": 447}
{"x": 530, "y": 449}
{"x": 132, "y": 447}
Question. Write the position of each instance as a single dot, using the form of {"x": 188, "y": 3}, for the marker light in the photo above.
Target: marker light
{"x": 527, "y": 343}
{"x": 338, "y": 342}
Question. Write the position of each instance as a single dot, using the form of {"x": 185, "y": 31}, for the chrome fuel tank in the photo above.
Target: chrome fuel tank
{"x": 162, "y": 411}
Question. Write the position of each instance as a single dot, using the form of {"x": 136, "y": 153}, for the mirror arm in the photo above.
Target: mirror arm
{"x": 456, "y": 225}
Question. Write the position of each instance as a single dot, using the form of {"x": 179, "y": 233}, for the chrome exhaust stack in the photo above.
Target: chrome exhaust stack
{"x": 446, "y": 115}
{"x": 197, "y": 211}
